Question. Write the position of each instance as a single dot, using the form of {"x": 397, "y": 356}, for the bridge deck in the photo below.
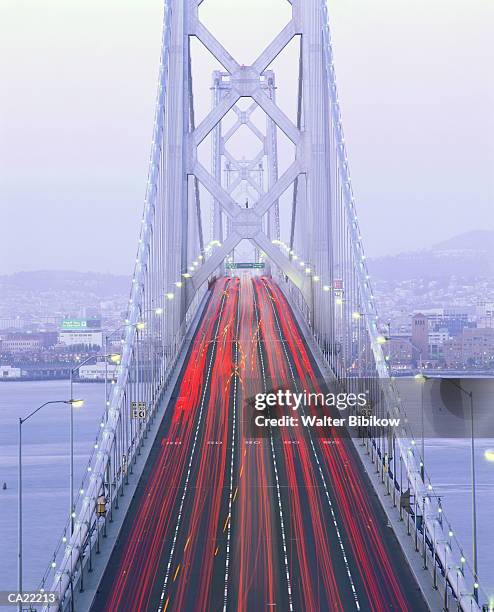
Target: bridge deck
{"x": 226, "y": 516}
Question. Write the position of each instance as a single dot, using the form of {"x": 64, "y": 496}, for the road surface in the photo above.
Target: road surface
{"x": 228, "y": 516}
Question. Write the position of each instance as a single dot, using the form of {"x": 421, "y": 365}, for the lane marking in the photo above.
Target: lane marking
{"x": 227, "y": 522}
{"x": 232, "y": 461}
{"x": 196, "y": 435}
{"x": 275, "y": 466}
{"x": 333, "y": 516}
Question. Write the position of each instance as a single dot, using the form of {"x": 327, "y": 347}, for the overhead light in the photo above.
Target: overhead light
{"x": 489, "y": 455}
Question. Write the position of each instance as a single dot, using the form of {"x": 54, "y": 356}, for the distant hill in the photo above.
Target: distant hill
{"x": 480, "y": 241}
{"x": 101, "y": 285}
{"x": 468, "y": 255}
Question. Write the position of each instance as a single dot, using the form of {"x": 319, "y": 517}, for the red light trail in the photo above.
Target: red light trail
{"x": 228, "y": 519}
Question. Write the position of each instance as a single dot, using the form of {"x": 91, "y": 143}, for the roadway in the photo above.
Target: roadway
{"x": 227, "y": 517}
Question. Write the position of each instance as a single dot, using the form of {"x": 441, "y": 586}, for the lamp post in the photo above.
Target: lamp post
{"x": 469, "y": 394}
{"x": 309, "y": 269}
{"x": 422, "y": 378}
{"x": 72, "y": 402}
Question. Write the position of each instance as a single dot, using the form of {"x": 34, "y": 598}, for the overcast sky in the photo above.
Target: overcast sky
{"x": 77, "y": 91}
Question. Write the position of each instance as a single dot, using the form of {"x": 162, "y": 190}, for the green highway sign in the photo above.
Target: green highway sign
{"x": 245, "y": 265}
{"x": 74, "y": 324}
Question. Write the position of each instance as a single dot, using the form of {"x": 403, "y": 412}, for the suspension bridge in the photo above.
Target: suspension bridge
{"x": 251, "y": 277}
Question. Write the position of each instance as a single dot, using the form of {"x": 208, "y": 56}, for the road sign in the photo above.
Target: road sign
{"x": 138, "y": 410}
{"x": 74, "y": 324}
{"x": 245, "y": 265}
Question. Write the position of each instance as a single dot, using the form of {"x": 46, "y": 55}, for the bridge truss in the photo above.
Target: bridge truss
{"x": 318, "y": 260}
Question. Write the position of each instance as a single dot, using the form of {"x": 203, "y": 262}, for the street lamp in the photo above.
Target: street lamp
{"x": 73, "y": 402}
{"x": 469, "y": 394}
{"x": 421, "y": 378}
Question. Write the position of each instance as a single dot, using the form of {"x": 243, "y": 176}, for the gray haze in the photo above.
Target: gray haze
{"x": 78, "y": 83}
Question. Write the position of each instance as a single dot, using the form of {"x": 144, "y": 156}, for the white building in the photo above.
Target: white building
{"x": 20, "y": 344}
{"x": 10, "y": 373}
{"x": 436, "y": 342}
{"x": 16, "y": 323}
{"x": 438, "y": 337}
{"x": 71, "y": 337}
{"x": 485, "y": 309}
{"x": 96, "y": 371}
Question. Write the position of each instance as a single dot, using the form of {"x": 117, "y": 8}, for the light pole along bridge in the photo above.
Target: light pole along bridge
{"x": 188, "y": 506}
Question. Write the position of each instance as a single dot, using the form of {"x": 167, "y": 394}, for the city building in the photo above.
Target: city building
{"x": 436, "y": 342}
{"x": 485, "y": 309}
{"x": 454, "y": 320}
{"x": 96, "y": 371}
{"x": 11, "y": 323}
{"x": 10, "y": 373}
{"x": 77, "y": 338}
{"x": 474, "y": 347}
{"x": 485, "y": 314}
{"x": 20, "y": 343}
{"x": 478, "y": 346}
{"x": 400, "y": 350}
{"x": 420, "y": 335}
